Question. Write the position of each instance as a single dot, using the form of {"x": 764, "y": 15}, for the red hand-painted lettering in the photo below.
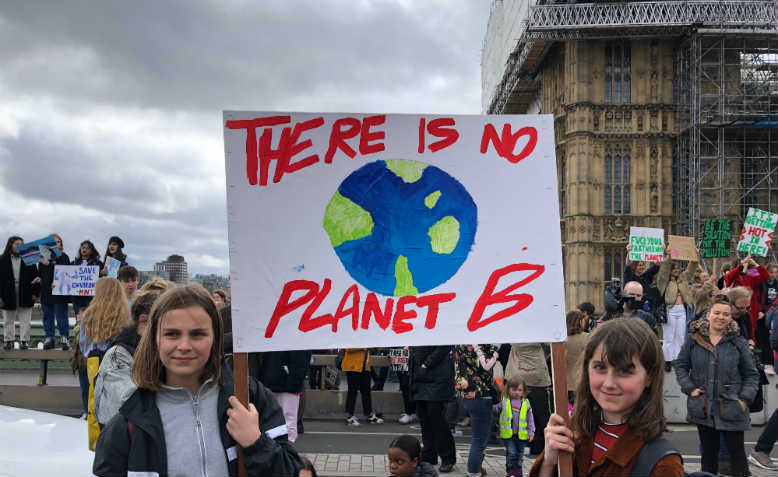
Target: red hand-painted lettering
{"x": 489, "y": 297}
{"x": 507, "y": 143}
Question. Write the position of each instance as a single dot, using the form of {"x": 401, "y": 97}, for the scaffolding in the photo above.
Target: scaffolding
{"x": 727, "y": 149}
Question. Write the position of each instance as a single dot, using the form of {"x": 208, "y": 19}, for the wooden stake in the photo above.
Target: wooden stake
{"x": 240, "y": 365}
{"x": 559, "y": 372}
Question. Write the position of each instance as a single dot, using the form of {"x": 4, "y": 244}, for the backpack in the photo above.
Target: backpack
{"x": 653, "y": 451}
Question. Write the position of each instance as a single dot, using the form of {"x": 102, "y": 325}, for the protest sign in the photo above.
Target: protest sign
{"x": 646, "y": 244}
{"x": 716, "y": 239}
{"x": 352, "y": 230}
{"x": 112, "y": 267}
{"x": 682, "y": 248}
{"x": 398, "y": 358}
{"x": 31, "y": 251}
{"x": 75, "y": 280}
{"x": 756, "y": 236}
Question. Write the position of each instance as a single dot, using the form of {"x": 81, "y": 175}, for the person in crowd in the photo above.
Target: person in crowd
{"x": 101, "y": 324}
{"x": 54, "y": 307}
{"x": 751, "y": 275}
{"x": 588, "y": 316}
{"x": 674, "y": 287}
{"x": 574, "y": 349}
{"x": 432, "y": 386}
{"x": 379, "y": 374}
{"x": 307, "y": 470}
{"x": 726, "y": 267}
{"x": 157, "y": 284}
{"x": 87, "y": 255}
{"x": 473, "y": 377}
{"x": 618, "y": 407}
{"x": 632, "y": 307}
{"x": 517, "y": 426}
{"x": 19, "y": 288}
{"x": 178, "y": 362}
{"x": 762, "y": 330}
{"x": 716, "y": 370}
{"x": 113, "y": 384}
{"x": 401, "y": 370}
{"x": 404, "y": 459}
{"x": 704, "y": 289}
{"x": 760, "y": 456}
{"x": 527, "y": 363}
{"x": 220, "y": 297}
{"x": 740, "y": 300}
{"x": 283, "y": 372}
{"x": 645, "y": 274}
{"x": 356, "y": 365}
{"x": 128, "y": 276}
{"x": 115, "y": 250}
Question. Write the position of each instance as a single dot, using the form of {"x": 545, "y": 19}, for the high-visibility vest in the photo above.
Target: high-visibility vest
{"x": 506, "y": 420}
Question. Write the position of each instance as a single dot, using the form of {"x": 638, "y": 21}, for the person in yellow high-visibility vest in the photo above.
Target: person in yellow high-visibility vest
{"x": 517, "y": 425}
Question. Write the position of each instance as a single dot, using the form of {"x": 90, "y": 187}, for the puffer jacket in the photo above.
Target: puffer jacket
{"x": 527, "y": 361}
{"x": 113, "y": 384}
{"x": 140, "y": 449}
{"x": 724, "y": 372}
{"x": 670, "y": 287}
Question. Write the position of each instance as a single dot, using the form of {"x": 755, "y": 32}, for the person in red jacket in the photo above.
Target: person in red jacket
{"x": 751, "y": 275}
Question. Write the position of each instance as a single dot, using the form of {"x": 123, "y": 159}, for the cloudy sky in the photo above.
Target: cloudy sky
{"x": 110, "y": 112}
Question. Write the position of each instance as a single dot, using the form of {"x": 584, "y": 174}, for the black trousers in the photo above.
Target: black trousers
{"x": 379, "y": 377}
{"x": 762, "y": 338}
{"x": 436, "y": 437}
{"x": 405, "y": 386}
{"x": 539, "y": 399}
{"x": 358, "y": 382}
{"x": 709, "y": 438}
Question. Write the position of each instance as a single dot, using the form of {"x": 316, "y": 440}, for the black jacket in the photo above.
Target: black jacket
{"x": 284, "y": 371}
{"x": 47, "y": 278}
{"x": 142, "y": 449}
{"x": 8, "y": 285}
{"x": 84, "y": 300}
{"x": 436, "y": 381}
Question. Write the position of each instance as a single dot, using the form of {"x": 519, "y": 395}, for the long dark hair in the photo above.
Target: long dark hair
{"x": 622, "y": 340}
{"x": 94, "y": 256}
{"x": 119, "y": 255}
{"x": 9, "y": 244}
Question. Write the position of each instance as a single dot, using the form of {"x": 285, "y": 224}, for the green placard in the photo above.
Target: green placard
{"x": 717, "y": 238}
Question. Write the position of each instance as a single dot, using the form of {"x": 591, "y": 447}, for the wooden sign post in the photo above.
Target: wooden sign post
{"x": 240, "y": 369}
{"x": 559, "y": 372}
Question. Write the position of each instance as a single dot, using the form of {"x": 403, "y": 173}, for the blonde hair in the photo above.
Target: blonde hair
{"x": 147, "y": 369}
{"x": 108, "y": 312}
{"x": 157, "y": 284}
{"x": 737, "y": 293}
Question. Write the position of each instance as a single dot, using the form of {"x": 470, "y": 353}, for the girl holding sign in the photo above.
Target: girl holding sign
{"x": 181, "y": 382}
{"x": 677, "y": 293}
{"x": 618, "y": 408}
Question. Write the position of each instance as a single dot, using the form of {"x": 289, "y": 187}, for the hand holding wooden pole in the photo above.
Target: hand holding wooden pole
{"x": 559, "y": 372}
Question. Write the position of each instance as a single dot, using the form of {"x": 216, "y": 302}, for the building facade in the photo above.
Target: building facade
{"x": 623, "y": 100}
{"x": 176, "y": 267}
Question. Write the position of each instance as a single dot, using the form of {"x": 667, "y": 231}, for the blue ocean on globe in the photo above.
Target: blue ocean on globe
{"x": 401, "y": 227}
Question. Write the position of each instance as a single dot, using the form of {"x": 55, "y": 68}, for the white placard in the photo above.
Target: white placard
{"x": 358, "y": 230}
{"x": 75, "y": 280}
{"x": 756, "y": 236}
{"x": 646, "y": 244}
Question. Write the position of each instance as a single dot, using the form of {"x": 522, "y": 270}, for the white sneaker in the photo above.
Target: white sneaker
{"x": 373, "y": 419}
{"x": 352, "y": 421}
{"x": 404, "y": 419}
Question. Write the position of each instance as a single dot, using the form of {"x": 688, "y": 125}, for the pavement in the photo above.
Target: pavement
{"x": 339, "y": 450}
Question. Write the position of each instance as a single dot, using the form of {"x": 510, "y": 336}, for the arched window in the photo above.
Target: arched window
{"x": 617, "y": 176}
{"x": 618, "y": 72}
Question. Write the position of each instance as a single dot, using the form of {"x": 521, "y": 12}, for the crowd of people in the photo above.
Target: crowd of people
{"x": 158, "y": 388}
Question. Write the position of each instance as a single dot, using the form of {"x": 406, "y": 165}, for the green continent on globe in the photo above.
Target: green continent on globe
{"x": 344, "y": 220}
{"x": 404, "y": 278}
{"x": 444, "y": 235}
{"x": 408, "y": 171}
{"x": 432, "y": 199}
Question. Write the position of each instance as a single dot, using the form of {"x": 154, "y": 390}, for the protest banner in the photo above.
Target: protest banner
{"x": 646, "y": 244}
{"x": 112, "y": 267}
{"x": 716, "y": 238}
{"x": 682, "y": 248}
{"x": 31, "y": 251}
{"x": 352, "y": 230}
{"x": 756, "y": 236}
{"x": 398, "y": 358}
{"x": 75, "y": 280}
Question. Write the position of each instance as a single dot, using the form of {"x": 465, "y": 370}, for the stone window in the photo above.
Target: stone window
{"x": 618, "y": 76}
{"x": 617, "y": 174}
{"x": 562, "y": 183}
{"x": 613, "y": 264}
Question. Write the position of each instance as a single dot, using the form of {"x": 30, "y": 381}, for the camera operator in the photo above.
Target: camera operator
{"x": 627, "y": 304}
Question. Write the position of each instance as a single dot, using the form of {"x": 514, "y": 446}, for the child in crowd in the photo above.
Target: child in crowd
{"x": 618, "y": 407}
{"x": 129, "y": 276}
{"x": 517, "y": 425}
{"x": 404, "y": 460}
{"x": 308, "y": 469}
